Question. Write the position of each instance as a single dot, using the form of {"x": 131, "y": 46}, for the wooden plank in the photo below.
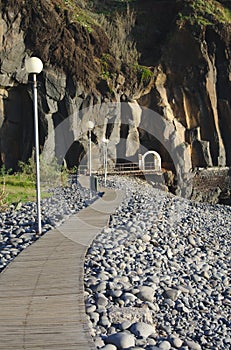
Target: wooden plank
{"x": 41, "y": 291}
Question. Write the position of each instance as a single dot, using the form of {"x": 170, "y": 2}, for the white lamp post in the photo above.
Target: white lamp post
{"x": 90, "y": 126}
{"x": 34, "y": 65}
{"x": 105, "y": 144}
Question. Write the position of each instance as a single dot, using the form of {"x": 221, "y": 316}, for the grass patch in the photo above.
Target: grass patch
{"x": 77, "y": 14}
{"x": 17, "y": 188}
{"x": 21, "y": 186}
{"x": 204, "y": 13}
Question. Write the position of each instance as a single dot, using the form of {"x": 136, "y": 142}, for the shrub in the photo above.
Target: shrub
{"x": 144, "y": 73}
{"x": 118, "y": 29}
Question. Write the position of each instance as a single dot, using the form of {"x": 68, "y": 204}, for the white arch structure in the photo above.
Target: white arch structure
{"x": 157, "y": 160}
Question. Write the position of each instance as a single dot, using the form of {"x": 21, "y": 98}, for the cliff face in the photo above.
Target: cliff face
{"x": 192, "y": 82}
{"x": 187, "y": 84}
{"x": 79, "y": 71}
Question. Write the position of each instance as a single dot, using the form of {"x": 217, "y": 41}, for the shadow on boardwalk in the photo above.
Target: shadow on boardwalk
{"x": 41, "y": 291}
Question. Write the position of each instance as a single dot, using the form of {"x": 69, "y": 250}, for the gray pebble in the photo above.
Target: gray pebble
{"x": 193, "y": 345}
{"x": 176, "y": 342}
{"x": 146, "y": 293}
{"x": 164, "y": 345}
{"x": 125, "y": 325}
{"x": 141, "y": 329}
{"x": 172, "y": 294}
{"x": 109, "y": 347}
{"x": 173, "y": 277}
{"x": 121, "y": 340}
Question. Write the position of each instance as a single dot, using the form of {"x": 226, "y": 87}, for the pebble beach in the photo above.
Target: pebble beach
{"x": 159, "y": 276}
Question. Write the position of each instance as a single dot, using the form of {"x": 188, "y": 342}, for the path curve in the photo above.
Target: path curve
{"x": 42, "y": 292}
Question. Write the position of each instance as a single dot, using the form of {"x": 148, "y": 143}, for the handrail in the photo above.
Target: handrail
{"x": 120, "y": 167}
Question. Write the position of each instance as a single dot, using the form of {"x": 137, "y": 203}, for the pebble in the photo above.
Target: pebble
{"x": 125, "y": 325}
{"x": 141, "y": 329}
{"x": 172, "y": 294}
{"x": 146, "y": 293}
{"x": 101, "y": 300}
{"x": 94, "y": 317}
{"x": 165, "y": 266}
{"x": 193, "y": 345}
{"x": 165, "y": 345}
{"x": 176, "y": 342}
{"x": 109, "y": 347}
{"x": 122, "y": 340}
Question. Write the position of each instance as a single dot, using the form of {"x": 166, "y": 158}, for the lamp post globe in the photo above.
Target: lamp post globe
{"x": 34, "y": 65}
{"x": 90, "y": 125}
{"x": 104, "y": 140}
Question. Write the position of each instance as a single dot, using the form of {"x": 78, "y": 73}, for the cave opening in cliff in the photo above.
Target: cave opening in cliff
{"x": 74, "y": 155}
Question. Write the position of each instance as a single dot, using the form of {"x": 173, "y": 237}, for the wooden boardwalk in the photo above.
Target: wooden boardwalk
{"x": 41, "y": 291}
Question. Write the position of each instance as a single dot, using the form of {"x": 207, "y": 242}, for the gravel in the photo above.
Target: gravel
{"x": 18, "y": 227}
{"x": 159, "y": 276}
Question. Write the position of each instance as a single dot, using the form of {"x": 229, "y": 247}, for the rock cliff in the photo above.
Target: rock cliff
{"x": 176, "y": 100}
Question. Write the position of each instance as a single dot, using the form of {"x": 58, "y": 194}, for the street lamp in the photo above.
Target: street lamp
{"x": 90, "y": 126}
{"x": 105, "y": 144}
{"x": 34, "y": 65}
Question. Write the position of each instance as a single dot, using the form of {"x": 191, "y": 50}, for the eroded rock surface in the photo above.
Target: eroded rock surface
{"x": 185, "y": 83}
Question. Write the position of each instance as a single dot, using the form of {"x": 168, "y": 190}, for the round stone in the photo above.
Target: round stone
{"x": 165, "y": 345}
{"x": 142, "y": 329}
{"x": 121, "y": 340}
{"x": 172, "y": 294}
{"x": 109, "y": 347}
{"x": 176, "y": 342}
{"x": 146, "y": 293}
{"x": 193, "y": 345}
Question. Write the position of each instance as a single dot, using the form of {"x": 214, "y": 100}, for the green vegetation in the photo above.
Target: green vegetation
{"x": 106, "y": 67}
{"x": 84, "y": 20}
{"x": 144, "y": 73}
{"x": 77, "y": 14}
{"x": 21, "y": 186}
{"x": 16, "y": 188}
{"x": 116, "y": 19}
{"x": 3, "y": 196}
{"x": 205, "y": 13}
{"x": 51, "y": 174}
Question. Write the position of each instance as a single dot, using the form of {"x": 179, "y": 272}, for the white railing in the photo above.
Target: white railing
{"x": 119, "y": 168}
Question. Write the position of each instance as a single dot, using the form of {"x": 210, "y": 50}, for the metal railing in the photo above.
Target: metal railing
{"x": 120, "y": 168}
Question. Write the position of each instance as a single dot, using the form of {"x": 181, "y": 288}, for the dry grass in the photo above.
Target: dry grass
{"x": 119, "y": 31}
